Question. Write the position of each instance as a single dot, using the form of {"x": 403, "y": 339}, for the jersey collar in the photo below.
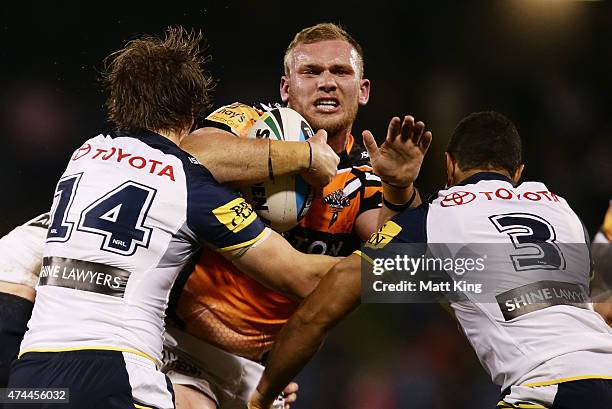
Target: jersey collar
{"x": 477, "y": 177}
{"x": 149, "y": 137}
{"x": 351, "y": 153}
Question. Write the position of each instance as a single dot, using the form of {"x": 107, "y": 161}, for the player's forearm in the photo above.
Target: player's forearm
{"x": 244, "y": 162}
{"x": 309, "y": 270}
{"x": 296, "y": 274}
{"x": 397, "y": 196}
{"x": 604, "y": 308}
{"x": 300, "y": 342}
{"x": 280, "y": 267}
{"x": 337, "y": 295}
{"x": 19, "y": 290}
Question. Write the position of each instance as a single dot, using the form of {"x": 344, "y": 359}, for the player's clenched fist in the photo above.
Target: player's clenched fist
{"x": 284, "y": 401}
{"x": 324, "y": 162}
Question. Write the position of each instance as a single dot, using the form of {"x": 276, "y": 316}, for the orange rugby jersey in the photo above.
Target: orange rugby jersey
{"x": 219, "y": 304}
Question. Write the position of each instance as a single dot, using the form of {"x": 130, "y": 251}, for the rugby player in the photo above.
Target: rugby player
{"x": 128, "y": 213}
{"x": 21, "y": 249}
{"x": 20, "y": 259}
{"x": 225, "y": 322}
{"x": 549, "y": 354}
{"x": 602, "y": 257}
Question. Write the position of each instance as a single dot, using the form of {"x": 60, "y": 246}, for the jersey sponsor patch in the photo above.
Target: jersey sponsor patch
{"x": 83, "y": 275}
{"x": 539, "y": 295}
{"x": 383, "y": 236}
{"x": 238, "y": 117}
{"x": 235, "y": 215}
{"x": 119, "y": 155}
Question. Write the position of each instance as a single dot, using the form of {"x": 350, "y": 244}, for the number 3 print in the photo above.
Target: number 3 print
{"x": 535, "y": 237}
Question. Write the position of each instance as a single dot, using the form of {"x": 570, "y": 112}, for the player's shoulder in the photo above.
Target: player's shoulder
{"x": 413, "y": 223}
{"x": 355, "y": 155}
{"x": 357, "y": 164}
{"x": 41, "y": 221}
{"x": 236, "y": 117}
{"x": 409, "y": 226}
{"x": 365, "y": 174}
{"x": 200, "y": 180}
{"x": 21, "y": 251}
{"x": 31, "y": 232}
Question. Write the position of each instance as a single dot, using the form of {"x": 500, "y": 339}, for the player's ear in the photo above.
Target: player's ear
{"x": 517, "y": 173}
{"x": 450, "y": 169}
{"x": 284, "y": 89}
{"x": 364, "y": 91}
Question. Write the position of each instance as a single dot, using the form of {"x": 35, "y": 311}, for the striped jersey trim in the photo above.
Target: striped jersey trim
{"x": 562, "y": 380}
{"x": 505, "y": 405}
{"x": 244, "y": 244}
{"x": 131, "y": 351}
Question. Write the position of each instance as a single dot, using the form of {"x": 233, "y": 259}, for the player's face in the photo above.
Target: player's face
{"x": 325, "y": 85}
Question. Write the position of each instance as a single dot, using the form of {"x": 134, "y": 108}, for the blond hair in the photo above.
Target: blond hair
{"x": 322, "y": 32}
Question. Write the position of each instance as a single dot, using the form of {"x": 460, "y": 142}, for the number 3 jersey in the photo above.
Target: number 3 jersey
{"x": 128, "y": 213}
{"x": 523, "y": 300}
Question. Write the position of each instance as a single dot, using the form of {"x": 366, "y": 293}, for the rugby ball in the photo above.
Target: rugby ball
{"x": 281, "y": 203}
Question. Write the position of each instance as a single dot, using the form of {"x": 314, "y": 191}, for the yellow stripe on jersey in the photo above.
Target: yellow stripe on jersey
{"x": 363, "y": 256}
{"x": 505, "y": 405}
{"x": 383, "y": 236}
{"x": 141, "y": 406}
{"x": 562, "y": 380}
{"x": 131, "y": 351}
{"x": 245, "y": 244}
{"x": 235, "y": 215}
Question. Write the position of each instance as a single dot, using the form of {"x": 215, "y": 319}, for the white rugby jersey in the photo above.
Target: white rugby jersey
{"x": 21, "y": 252}
{"x": 128, "y": 213}
{"x": 533, "y": 324}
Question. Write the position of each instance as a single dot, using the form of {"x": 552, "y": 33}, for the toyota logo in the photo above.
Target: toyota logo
{"x": 457, "y": 199}
{"x": 82, "y": 151}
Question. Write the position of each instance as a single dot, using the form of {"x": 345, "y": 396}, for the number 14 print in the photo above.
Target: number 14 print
{"x": 118, "y": 216}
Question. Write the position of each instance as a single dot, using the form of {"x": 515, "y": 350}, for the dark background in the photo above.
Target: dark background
{"x": 544, "y": 63}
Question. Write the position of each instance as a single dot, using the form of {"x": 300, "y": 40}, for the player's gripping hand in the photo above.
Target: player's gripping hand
{"x": 324, "y": 161}
{"x": 288, "y": 396}
{"x": 398, "y": 160}
{"x": 284, "y": 401}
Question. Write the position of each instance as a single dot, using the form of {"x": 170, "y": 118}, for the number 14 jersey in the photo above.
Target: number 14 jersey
{"x": 128, "y": 213}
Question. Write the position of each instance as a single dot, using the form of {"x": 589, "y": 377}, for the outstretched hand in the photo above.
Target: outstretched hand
{"x": 398, "y": 160}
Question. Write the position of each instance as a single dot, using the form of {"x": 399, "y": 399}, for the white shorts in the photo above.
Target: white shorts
{"x": 227, "y": 379}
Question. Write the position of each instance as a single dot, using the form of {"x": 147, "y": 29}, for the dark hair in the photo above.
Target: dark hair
{"x": 322, "y": 32}
{"x": 486, "y": 140}
{"x": 157, "y": 84}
